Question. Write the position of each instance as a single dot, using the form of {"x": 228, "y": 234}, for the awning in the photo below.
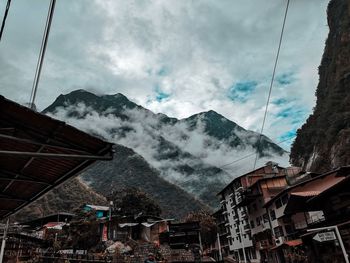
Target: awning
{"x": 37, "y": 153}
{"x": 293, "y": 243}
{"x": 290, "y": 243}
{"x": 128, "y": 224}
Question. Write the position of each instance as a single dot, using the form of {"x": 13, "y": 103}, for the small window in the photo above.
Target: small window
{"x": 278, "y": 231}
{"x": 266, "y": 218}
{"x": 272, "y": 215}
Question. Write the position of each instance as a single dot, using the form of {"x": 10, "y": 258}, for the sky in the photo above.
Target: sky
{"x": 175, "y": 57}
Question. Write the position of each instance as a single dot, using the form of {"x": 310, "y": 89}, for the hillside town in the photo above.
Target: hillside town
{"x": 156, "y": 133}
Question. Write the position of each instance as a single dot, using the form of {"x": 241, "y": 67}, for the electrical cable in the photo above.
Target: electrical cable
{"x": 240, "y": 159}
{"x": 42, "y": 53}
{"x": 271, "y": 84}
{"x": 4, "y": 18}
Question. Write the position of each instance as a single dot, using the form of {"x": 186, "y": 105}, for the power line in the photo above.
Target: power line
{"x": 251, "y": 154}
{"x": 42, "y": 53}
{"x": 5, "y": 17}
{"x": 271, "y": 84}
{"x": 240, "y": 159}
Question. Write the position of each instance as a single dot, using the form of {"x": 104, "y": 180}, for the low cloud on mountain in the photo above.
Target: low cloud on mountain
{"x": 172, "y": 148}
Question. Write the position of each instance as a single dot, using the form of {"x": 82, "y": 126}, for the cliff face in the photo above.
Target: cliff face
{"x": 323, "y": 142}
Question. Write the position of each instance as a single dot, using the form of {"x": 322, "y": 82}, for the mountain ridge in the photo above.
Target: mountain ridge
{"x": 185, "y": 153}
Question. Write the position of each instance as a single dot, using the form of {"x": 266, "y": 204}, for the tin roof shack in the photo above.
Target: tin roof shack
{"x": 99, "y": 210}
{"x": 141, "y": 228}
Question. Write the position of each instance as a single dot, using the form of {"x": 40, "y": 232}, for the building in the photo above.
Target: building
{"x": 99, "y": 210}
{"x": 238, "y": 209}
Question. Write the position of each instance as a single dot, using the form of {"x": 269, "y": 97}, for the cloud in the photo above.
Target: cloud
{"x": 193, "y": 50}
{"x": 181, "y": 152}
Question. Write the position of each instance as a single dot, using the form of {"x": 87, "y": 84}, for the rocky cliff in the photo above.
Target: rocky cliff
{"x": 323, "y": 142}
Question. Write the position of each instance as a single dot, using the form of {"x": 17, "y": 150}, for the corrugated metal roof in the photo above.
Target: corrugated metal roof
{"x": 306, "y": 193}
{"x": 25, "y": 136}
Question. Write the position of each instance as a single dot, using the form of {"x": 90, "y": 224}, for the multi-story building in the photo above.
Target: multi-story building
{"x": 236, "y": 199}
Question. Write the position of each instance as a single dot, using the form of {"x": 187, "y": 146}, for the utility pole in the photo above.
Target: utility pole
{"x": 110, "y": 219}
{"x": 3, "y": 243}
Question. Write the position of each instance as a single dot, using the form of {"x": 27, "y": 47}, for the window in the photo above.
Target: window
{"x": 278, "y": 231}
{"x": 272, "y": 215}
{"x": 252, "y": 225}
{"x": 266, "y": 218}
{"x": 278, "y": 203}
{"x": 258, "y": 221}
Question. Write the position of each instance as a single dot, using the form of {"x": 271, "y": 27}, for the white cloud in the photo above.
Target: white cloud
{"x": 145, "y": 134}
{"x": 206, "y": 46}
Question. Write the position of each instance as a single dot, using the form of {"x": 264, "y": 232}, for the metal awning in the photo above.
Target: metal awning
{"x": 37, "y": 153}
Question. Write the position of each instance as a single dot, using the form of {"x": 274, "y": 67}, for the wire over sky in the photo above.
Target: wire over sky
{"x": 4, "y": 18}
{"x": 271, "y": 84}
{"x": 42, "y": 53}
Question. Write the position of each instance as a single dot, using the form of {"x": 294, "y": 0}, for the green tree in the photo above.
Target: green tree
{"x": 132, "y": 201}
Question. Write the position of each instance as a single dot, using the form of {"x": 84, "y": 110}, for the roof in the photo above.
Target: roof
{"x": 293, "y": 243}
{"x": 58, "y": 217}
{"x": 315, "y": 185}
{"x": 38, "y": 153}
{"x": 98, "y": 207}
{"x": 250, "y": 172}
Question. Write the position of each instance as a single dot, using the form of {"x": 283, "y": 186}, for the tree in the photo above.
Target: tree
{"x": 132, "y": 201}
{"x": 207, "y": 223}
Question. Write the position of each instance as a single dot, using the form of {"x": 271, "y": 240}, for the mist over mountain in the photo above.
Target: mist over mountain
{"x": 187, "y": 153}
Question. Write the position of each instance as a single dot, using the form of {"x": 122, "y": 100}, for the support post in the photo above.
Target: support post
{"x": 243, "y": 247}
{"x": 341, "y": 244}
{"x": 219, "y": 247}
{"x": 3, "y": 243}
{"x": 200, "y": 241}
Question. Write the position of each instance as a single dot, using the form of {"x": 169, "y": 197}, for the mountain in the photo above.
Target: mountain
{"x": 65, "y": 198}
{"x": 323, "y": 142}
{"x": 181, "y": 154}
{"x": 128, "y": 169}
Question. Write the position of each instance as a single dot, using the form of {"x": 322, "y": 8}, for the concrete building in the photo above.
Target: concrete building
{"x": 243, "y": 217}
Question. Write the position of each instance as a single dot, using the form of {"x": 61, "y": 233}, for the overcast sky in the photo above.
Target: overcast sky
{"x": 176, "y": 57}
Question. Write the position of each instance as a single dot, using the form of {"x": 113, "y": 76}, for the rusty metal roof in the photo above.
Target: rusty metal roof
{"x": 37, "y": 153}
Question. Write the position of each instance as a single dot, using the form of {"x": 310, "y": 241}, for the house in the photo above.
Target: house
{"x": 321, "y": 203}
{"x": 100, "y": 211}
